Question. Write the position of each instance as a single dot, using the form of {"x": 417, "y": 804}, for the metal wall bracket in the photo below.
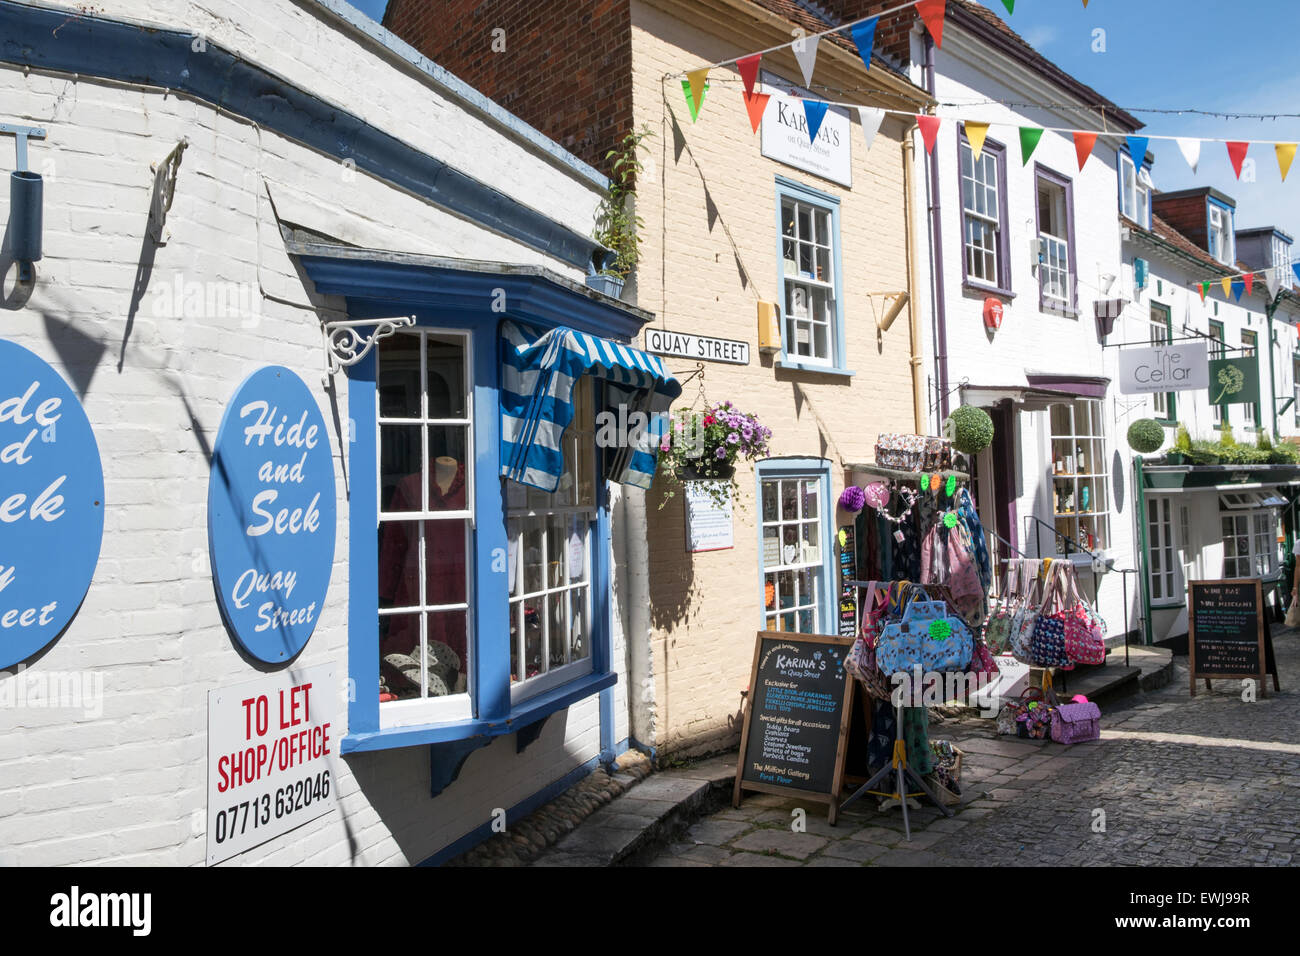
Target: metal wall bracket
{"x": 22, "y": 134}
{"x": 346, "y": 344}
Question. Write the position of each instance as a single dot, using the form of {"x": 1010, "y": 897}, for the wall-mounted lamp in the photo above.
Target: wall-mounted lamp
{"x": 26, "y": 203}
{"x": 895, "y": 308}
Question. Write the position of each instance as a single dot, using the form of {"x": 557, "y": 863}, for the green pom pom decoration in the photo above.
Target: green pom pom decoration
{"x": 950, "y": 520}
{"x": 952, "y": 485}
{"x": 971, "y": 429}
{"x": 940, "y": 630}
{"x": 1145, "y": 436}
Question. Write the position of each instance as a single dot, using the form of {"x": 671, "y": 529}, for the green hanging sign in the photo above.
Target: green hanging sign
{"x": 1234, "y": 381}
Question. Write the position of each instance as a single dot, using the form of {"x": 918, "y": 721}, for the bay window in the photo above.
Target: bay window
{"x": 1080, "y": 474}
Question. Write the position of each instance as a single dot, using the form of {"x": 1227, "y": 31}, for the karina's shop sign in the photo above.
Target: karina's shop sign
{"x": 1164, "y": 368}
{"x": 271, "y": 514}
{"x": 51, "y": 504}
{"x": 785, "y": 133}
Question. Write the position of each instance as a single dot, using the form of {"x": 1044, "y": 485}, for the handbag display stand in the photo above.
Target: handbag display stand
{"x": 902, "y": 774}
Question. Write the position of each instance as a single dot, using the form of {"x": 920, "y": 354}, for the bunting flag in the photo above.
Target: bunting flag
{"x": 929, "y": 130}
{"x": 1227, "y": 286}
{"x": 756, "y": 104}
{"x": 815, "y": 112}
{"x": 864, "y": 35}
{"x": 690, "y": 99}
{"x": 1238, "y": 287}
{"x": 1010, "y": 5}
{"x": 1083, "y": 144}
{"x": 1285, "y": 153}
{"x": 1029, "y": 137}
{"x": 1273, "y": 282}
{"x": 805, "y": 51}
{"x": 871, "y": 120}
{"x": 697, "y": 80}
{"x": 1295, "y": 267}
{"x": 932, "y": 13}
{"x": 1249, "y": 279}
{"x": 748, "y": 67}
{"x": 1191, "y": 150}
{"x": 1205, "y": 287}
{"x": 976, "y": 132}
{"x": 1137, "y": 149}
{"x": 1237, "y": 153}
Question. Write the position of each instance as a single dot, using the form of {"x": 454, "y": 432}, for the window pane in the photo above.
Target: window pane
{"x": 399, "y": 376}
{"x": 445, "y": 375}
{"x": 444, "y": 561}
{"x": 447, "y": 488}
{"x": 401, "y": 456}
{"x": 399, "y": 564}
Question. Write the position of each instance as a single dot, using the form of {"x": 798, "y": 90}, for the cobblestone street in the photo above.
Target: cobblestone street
{"x": 1180, "y": 781}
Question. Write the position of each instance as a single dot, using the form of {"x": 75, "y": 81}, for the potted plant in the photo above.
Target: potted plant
{"x": 705, "y": 446}
{"x": 617, "y": 224}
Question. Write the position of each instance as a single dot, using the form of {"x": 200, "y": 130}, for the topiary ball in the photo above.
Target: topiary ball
{"x": 971, "y": 429}
{"x": 1145, "y": 436}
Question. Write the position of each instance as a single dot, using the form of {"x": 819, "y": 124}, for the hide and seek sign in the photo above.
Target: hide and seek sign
{"x": 271, "y": 514}
{"x": 796, "y": 720}
{"x": 51, "y": 504}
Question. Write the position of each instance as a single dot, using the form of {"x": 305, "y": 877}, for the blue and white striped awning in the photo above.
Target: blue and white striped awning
{"x": 539, "y": 370}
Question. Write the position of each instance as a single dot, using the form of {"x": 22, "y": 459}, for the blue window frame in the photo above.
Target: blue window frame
{"x": 810, "y": 278}
{"x": 796, "y": 557}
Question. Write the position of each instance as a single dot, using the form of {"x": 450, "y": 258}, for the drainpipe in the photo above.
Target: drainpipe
{"x": 936, "y": 259}
{"x": 913, "y": 313}
{"x": 1140, "y": 496}
{"x": 1272, "y": 380}
{"x": 641, "y": 702}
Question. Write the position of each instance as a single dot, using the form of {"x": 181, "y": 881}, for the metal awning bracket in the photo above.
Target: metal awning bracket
{"x": 346, "y": 344}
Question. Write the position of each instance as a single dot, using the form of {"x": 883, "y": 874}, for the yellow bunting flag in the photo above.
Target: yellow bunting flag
{"x": 697, "y": 79}
{"x": 1285, "y": 153}
{"x": 1227, "y": 286}
{"x": 975, "y": 132}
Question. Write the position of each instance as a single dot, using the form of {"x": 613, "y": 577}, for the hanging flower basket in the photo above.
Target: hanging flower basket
{"x": 705, "y": 446}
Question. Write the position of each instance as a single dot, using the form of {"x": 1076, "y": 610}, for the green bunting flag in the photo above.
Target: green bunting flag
{"x": 1010, "y": 5}
{"x": 1029, "y": 137}
{"x": 690, "y": 99}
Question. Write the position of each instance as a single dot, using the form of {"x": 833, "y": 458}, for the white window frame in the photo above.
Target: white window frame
{"x": 1260, "y": 533}
{"x": 524, "y": 504}
{"x": 1134, "y": 192}
{"x": 1164, "y": 568}
{"x": 818, "y": 601}
{"x": 1096, "y": 475}
{"x": 976, "y": 185}
{"x": 453, "y": 707}
{"x": 1250, "y": 349}
{"x": 1220, "y": 234}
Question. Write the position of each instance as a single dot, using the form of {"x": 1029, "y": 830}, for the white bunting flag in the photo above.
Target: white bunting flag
{"x": 1273, "y": 280}
{"x": 871, "y": 120}
{"x": 805, "y": 51}
{"x": 1191, "y": 150}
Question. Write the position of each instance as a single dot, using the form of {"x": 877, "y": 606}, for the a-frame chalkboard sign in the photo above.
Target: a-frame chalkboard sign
{"x": 796, "y": 720}
{"x": 1228, "y": 636}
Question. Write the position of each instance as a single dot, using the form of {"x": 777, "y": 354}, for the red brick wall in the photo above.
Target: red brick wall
{"x": 1187, "y": 214}
{"x": 891, "y": 32}
{"x": 566, "y": 69}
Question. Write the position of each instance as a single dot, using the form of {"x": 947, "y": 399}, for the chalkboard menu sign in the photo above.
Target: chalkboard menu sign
{"x": 797, "y": 719}
{"x": 1226, "y": 635}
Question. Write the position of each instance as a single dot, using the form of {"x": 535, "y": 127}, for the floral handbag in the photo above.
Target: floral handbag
{"x": 997, "y": 632}
{"x": 1047, "y": 644}
{"x": 900, "y": 452}
{"x": 929, "y": 636}
{"x": 1085, "y": 638}
{"x": 1026, "y": 615}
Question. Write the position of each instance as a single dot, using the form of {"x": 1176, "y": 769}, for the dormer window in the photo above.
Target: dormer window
{"x": 1220, "y": 234}
{"x": 1134, "y": 192}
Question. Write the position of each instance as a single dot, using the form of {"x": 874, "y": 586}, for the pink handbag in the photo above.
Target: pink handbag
{"x": 1084, "y": 641}
{"x": 861, "y": 660}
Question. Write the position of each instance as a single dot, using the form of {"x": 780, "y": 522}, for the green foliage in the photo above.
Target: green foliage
{"x": 1263, "y": 452}
{"x": 1145, "y": 436}
{"x": 617, "y": 225}
{"x": 971, "y": 429}
{"x": 1226, "y": 438}
{"x": 1183, "y": 440}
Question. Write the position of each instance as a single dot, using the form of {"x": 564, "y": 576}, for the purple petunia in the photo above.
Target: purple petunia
{"x": 721, "y": 453}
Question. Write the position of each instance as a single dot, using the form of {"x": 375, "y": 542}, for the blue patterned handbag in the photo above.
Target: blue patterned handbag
{"x": 928, "y": 635}
{"x": 1047, "y": 646}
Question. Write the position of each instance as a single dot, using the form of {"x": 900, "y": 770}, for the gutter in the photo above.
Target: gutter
{"x": 936, "y": 259}
{"x": 917, "y": 358}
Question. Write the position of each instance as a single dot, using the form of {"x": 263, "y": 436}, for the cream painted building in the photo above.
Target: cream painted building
{"x": 720, "y": 218}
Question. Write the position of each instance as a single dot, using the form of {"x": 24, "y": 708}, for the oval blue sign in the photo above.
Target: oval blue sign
{"x": 271, "y": 508}
{"x": 51, "y": 504}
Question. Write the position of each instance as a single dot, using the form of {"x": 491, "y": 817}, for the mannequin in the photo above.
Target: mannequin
{"x": 444, "y": 472}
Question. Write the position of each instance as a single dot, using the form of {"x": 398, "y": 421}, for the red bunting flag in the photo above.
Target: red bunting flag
{"x": 1237, "y": 153}
{"x": 1083, "y": 143}
{"x": 932, "y": 13}
{"x": 1250, "y": 282}
{"x": 748, "y": 67}
{"x": 756, "y": 103}
{"x": 929, "y": 130}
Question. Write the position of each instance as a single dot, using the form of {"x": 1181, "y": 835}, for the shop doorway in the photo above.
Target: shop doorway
{"x": 993, "y": 486}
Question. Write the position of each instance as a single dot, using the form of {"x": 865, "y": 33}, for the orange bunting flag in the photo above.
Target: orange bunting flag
{"x": 1083, "y": 143}
{"x": 1250, "y": 282}
{"x": 697, "y": 79}
{"x": 748, "y": 67}
{"x": 1285, "y": 153}
{"x": 932, "y": 13}
{"x": 1227, "y": 286}
{"x": 929, "y": 130}
{"x": 1237, "y": 153}
{"x": 756, "y": 103}
{"x": 975, "y": 133}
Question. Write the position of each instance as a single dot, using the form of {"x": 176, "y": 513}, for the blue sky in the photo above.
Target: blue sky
{"x": 371, "y": 8}
{"x": 1176, "y": 54}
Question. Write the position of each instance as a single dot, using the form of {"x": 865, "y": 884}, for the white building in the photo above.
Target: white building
{"x": 1025, "y": 255}
{"x": 1201, "y": 520}
{"x": 225, "y": 183}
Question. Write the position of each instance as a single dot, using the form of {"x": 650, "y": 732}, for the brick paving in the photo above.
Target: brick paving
{"x": 1180, "y": 781}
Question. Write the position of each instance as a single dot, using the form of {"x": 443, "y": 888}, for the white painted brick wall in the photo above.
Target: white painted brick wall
{"x": 123, "y": 787}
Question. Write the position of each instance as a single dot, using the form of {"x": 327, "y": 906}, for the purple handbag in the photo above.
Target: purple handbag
{"x": 1075, "y": 723}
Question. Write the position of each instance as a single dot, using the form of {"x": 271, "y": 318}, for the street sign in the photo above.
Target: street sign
{"x": 701, "y": 348}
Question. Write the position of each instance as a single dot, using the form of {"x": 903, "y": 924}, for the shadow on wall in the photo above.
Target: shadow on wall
{"x": 672, "y": 567}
